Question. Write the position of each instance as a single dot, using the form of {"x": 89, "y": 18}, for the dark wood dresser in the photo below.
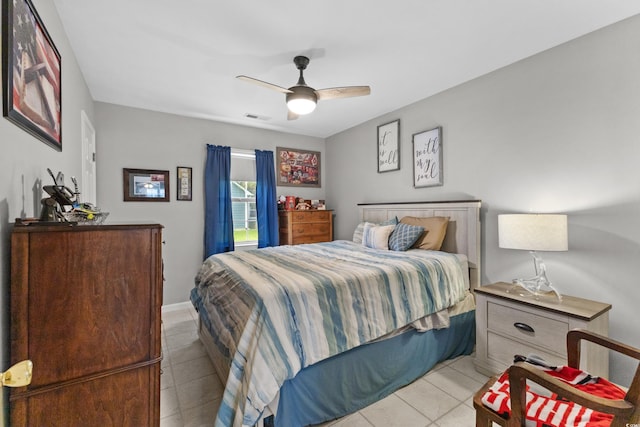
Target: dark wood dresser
{"x": 86, "y": 309}
{"x": 311, "y": 226}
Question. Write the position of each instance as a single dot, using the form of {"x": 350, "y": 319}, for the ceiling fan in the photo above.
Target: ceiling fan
{"x": 302, "y": 99}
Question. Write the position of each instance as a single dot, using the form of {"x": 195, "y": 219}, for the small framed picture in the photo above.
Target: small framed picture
{"x": 145, "y": 185}
{"x": 427, "y": 158}
{"x": 389, "y": 147}
{"x": 183, "y": 190}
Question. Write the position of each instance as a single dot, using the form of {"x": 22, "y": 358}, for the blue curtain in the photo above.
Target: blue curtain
{"x": 266, "y": 199}
{"x": 218, "y": 218}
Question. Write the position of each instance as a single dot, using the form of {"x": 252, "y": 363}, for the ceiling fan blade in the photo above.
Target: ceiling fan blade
{"x": 264, "y": 84}
{"x": 342, "y": 92}
{"x": 291, "y": 115}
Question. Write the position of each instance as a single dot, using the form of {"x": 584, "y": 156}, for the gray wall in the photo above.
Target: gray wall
{"x": 25, "y": 159}
{"x": 557, "y": 132}
{"x": 554, "y": 133}
{"x": 142, "y": 139}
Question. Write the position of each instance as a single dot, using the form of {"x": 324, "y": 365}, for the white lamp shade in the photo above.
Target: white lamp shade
{"x": 533, "y": 232}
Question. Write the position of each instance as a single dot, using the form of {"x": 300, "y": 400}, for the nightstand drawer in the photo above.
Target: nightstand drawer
{"x": 502, "y": 350}
{"x": 547, "y": 333}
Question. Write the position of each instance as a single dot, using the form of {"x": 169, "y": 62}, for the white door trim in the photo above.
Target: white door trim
{"x": 88, "y": 183}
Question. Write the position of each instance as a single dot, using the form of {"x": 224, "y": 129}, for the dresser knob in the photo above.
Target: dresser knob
{"x": 524, "y": 327}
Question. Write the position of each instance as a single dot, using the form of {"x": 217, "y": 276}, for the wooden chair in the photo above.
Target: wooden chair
{"x": 626, "y": 412}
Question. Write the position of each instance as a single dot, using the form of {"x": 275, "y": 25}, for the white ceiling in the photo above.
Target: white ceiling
{"x": 182, "y": 56}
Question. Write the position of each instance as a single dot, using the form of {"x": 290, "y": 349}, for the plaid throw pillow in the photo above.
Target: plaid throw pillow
{"x": 404, "y": 236}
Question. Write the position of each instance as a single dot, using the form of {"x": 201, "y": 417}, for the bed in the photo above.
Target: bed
{"x": 310, "y": 333}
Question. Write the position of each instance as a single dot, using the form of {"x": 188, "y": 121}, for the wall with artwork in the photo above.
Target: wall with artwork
{"x": 554, "y": 133}
{"x": 130, "y": 138}
{"x": 25, "y": 159}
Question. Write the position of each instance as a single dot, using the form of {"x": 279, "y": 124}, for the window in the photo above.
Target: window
{"x": 245, "y": 220}
{"x": 243, "y": 197}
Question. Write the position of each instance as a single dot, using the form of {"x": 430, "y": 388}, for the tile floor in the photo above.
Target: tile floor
{"x": 191, "y": 392}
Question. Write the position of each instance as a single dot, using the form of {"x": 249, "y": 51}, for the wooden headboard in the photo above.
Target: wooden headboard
{"x": 463, "y": 231}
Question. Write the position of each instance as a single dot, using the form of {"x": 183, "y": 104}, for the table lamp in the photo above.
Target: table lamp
{"x": 534, "y": 232}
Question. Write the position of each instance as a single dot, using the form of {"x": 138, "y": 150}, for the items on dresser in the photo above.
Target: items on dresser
{"x": 508, "y": 324}
{"x": 308, "y": 226}
{"x": 86, "y": 309}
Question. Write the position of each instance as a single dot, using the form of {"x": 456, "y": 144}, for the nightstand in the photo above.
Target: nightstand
{"x": 508, "y": 324}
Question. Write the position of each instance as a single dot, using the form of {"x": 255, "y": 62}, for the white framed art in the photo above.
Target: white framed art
{"x": 389, "y": 146}
{"x": 427, "y": 158}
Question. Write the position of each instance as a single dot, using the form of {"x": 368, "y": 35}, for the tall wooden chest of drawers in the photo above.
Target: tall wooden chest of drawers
{"x": 85, "y": 308}
{"x": 311, "y": 226}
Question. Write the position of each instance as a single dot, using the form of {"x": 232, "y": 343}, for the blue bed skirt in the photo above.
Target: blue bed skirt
{"x": 350, "y": 381}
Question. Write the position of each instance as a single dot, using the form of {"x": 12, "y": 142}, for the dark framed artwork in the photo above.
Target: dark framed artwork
{"x": 185, "y": 180}
{"x": 427, "y": 158}
{"x": 389, "y": 147}
{"x": 31, "y": 70}
{"x": 298, "y": 168}
{"x": 145, "y": 185}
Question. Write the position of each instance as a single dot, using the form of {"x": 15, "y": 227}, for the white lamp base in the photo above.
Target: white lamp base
{"x": 538, "y": 286}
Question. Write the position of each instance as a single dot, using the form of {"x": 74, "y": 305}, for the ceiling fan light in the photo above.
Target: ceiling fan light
{"x": 302, "y": 100}
{"x": 301, "y": 106}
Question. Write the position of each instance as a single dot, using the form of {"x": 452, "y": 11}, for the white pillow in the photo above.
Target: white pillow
{"x": 377, "y": 236}
{"x": 357, "y": 234}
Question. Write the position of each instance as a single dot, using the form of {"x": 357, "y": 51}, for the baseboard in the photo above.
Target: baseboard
{"x": 177, "y": 306}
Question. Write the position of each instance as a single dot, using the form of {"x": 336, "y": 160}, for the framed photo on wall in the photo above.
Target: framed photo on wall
{"x": 183, "y": 190}
{"x": 145, "y": 185}
{"x": 389, "y": 147}
{"x": 31, "y": 69}
{"x": 297, "y": 168}
{"x": 427, "y": 158}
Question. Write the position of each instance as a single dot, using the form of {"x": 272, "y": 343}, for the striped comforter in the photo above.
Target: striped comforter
{"x": 277, "y": 310}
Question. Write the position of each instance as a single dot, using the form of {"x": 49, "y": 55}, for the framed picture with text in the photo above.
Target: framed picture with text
{"x": 427, "y": 158}
{"x": 389, "y": 147}
{"x": 183, "y": 190}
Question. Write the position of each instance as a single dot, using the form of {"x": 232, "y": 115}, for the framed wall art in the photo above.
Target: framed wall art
{"x": 145, "y": 185}
{"x": 427, "y": 158}
{"x": 31, "y": 71}
{"x": 389, "y": 147}
{"x": 183, "y": 190}
{"x": 297, "y": 168}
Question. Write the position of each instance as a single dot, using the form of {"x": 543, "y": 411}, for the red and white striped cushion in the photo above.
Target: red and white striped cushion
{"x": 547, "y": 409}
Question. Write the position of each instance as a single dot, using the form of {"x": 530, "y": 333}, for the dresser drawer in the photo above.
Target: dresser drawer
{"x": 302, "y": 239}
{"x": 311, "y": 216}
{"x": 297, "y": 227}
{"x": 547, "y": 333}
{"x": 311, "y": 229}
